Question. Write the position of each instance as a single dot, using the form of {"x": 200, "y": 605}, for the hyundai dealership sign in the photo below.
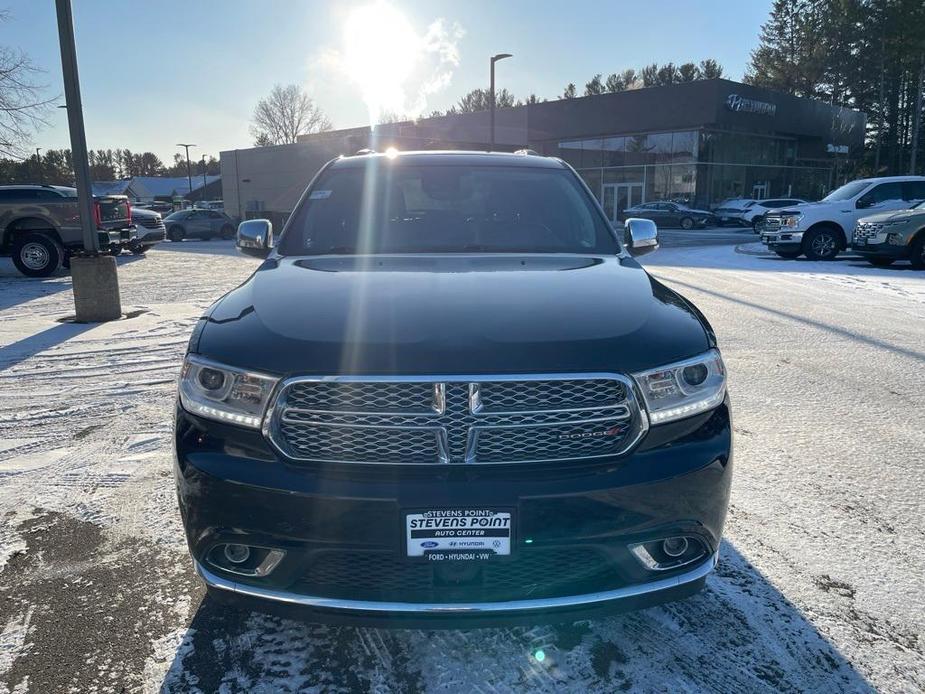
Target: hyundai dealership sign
{"x": 740, "y": 104}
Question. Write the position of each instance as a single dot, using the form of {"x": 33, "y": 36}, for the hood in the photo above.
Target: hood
{"x": 451, "y": 315}
{"x": 894, "y": 216}
{"x": 144, "y": 212}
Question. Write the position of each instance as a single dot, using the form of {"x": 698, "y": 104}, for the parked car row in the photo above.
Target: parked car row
{"x": 40, "y": 226}
{"x": 670, "y": 214}
{"x": 749, "y": 212}
{"x": 843, "y": 220}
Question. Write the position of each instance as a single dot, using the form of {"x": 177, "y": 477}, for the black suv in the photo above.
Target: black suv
{"x": 450, "y": 392}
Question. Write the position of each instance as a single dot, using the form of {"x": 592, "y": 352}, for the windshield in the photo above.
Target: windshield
{"x": 405, "y": 208}
{"x": 846, "y": 192}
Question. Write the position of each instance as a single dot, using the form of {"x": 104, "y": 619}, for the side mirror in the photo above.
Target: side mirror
{"x": 640, "y": 236}
{"x": 255, "y": 237}
{"x": 864, "y": 203}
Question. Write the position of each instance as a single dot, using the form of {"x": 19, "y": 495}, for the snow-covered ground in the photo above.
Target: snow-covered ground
{"x": 821, "y": 584}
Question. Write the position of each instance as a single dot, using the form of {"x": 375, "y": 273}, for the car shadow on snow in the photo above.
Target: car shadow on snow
{"x": 739, "y": 634}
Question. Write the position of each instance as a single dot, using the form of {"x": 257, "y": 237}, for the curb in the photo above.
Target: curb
{"x": 744, "y": 249}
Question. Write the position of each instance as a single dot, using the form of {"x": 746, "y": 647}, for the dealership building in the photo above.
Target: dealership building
{"x": 698, "y": 142}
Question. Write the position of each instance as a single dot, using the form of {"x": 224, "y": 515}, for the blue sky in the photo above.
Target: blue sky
{"x": 157, "y": 73}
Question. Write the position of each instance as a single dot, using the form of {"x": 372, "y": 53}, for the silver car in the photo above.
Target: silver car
{"x": 199, "y": 224}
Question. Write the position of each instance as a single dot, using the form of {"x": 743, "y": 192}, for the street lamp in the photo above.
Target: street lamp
{"x": 189, "y": 173}
{"x": 491, "y": 97}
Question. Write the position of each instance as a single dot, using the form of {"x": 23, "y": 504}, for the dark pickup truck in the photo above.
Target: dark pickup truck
{"x": 40, "y": 226}
{"x": 450, "y": 394}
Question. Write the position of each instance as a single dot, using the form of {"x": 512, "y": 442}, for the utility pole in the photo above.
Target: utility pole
{"x": 189, "y": 174}
{"x": 38, "y": 162}
{"x": 204, "y": 175}
{"x": 491, "y": 95}
{"x": 94, "y": 277}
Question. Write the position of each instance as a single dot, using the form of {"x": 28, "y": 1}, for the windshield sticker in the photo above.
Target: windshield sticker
{"x": 320, "y": 195}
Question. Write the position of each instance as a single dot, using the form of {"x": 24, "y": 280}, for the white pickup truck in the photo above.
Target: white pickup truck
{"x": 821, "y": 229}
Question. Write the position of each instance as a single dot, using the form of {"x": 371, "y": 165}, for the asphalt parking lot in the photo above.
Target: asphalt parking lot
{"x": 819, "y": 586}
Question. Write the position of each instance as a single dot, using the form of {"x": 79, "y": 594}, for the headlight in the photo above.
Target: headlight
{"x": 224, "y": 393}
{"x": 683, "y": 389}
{"x": 791, "y": 221}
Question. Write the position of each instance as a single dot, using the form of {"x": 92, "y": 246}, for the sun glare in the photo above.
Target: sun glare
{"x": 381, "y": 50}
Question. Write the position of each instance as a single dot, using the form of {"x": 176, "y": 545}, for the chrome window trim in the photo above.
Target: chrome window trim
{"x": 588, "y": 599}
{"x": 275, "y": 409}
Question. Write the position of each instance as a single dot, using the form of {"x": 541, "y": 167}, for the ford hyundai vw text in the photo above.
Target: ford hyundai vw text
{"x": 451, "y": 392}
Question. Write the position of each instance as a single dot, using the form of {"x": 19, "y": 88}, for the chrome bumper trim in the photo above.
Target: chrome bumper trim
{"x": 587, "y": 599}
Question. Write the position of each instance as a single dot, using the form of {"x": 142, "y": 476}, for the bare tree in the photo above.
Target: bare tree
{"x": 22, "y": 107}
{"x": 285, "y": 114}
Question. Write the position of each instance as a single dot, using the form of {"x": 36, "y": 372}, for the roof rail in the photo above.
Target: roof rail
{"x": 528, "y": 152}
{"x": 365, "y": 150}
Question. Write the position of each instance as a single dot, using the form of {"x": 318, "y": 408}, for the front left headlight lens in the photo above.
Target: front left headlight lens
{"x": 790, "y": 221}
{"x": 224, "y": 393}
{"x": 684, "y": 388}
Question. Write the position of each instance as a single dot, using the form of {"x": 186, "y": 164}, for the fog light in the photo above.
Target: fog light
{"x": 674, "y": 546}
{"x": 237, "y": 554}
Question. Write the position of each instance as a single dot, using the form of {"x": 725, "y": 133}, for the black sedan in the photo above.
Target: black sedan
{"x": 670, "y": 214}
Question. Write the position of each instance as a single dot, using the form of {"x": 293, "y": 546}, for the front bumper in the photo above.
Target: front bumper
{"x": 881, "y": 250}
{"x": 233, "y": 488}
{"x": 782, "y": 240}
{"x": 149, "y": 236}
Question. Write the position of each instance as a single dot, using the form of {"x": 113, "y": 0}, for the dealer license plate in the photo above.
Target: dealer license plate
{"x": 471, "y": 534}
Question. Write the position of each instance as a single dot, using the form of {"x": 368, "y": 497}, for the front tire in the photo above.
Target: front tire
{"x": 176, "y": 233}
{"x": 821, "y": 244}
{"x": 37, "y": 255}
{"x": 918, "y": 252}
{"x": 227, "y": 232}
{"x": 687, "y": 223}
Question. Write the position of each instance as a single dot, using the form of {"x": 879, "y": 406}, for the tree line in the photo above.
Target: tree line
{"x": 55, "y": 166}
{"x": 867, "y": 55}
{"x": 653, "y": 75}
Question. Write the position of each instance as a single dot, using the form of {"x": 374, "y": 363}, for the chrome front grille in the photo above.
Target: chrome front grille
{"x": 149, "y": 222}
{"x": 866, "y": 230}
{"x": 433, "y": 420}
{"x": 770, "y": 223}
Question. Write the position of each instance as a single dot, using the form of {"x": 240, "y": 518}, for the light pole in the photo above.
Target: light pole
{"x": 491, "y": 96}
{"x": 94, "y": 276}
{"x": 38, "y": 162}
{"x": 189, "y": 173}
{"x": 203, "y": 175}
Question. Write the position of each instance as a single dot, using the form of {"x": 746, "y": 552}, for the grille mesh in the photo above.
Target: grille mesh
{"x": 379, "y": 575}
{"x": 514, "y": 396}
{"x": 395, "y": 422}
{"x": 864, "y": 230}
{"x": 362, "y": 397}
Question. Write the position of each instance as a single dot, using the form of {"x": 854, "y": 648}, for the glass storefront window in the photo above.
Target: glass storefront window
{"x": 638, "y": 150}
{"x": 571, "y": 153}
{"x": 591, "y": 154}
{"x": 614, "y": 151}
{"x": 684, "y": 146}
